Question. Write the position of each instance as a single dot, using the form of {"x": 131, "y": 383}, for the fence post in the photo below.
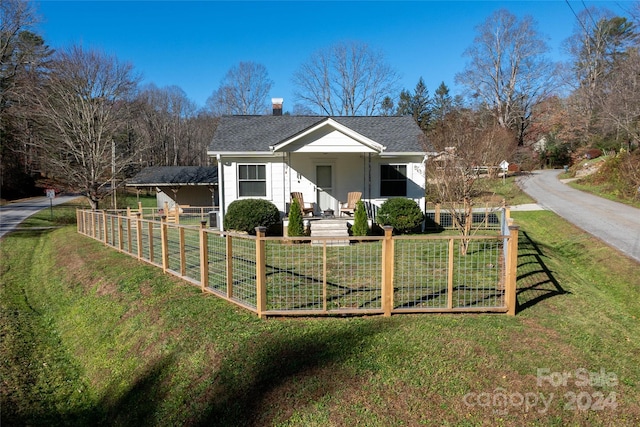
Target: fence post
{"x": 512, "y": 270}
{"x": 261, "y": 276}
{"x": 450, "y": 265}
{"x": 139, "y": 234}
{"x": 436, "y": 215}
{"x": 105, "y": 230}
{"x": 120, "y": 238}
{"x": 113, "y": 229}
{"x": 164, "y": 242}
{"x": 387, "y": 271}
{"x": 204, "y": 256}
{"x": 229, "y": 252}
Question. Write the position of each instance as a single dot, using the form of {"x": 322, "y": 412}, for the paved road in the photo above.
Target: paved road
{"x": 615, "y": 223}
{"x": 13, "y": 214}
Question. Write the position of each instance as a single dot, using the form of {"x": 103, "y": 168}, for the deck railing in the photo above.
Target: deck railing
{"x": 278, "y": 276}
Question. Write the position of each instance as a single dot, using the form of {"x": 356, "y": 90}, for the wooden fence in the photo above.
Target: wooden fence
{"x": 276, "y": 276}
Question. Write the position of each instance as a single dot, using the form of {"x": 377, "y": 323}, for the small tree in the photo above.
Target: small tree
{"x": 360, "y": 220}
{"x": 296, "y": 225}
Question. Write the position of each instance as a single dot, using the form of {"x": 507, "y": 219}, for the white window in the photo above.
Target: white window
{"x": 252, "y": 181}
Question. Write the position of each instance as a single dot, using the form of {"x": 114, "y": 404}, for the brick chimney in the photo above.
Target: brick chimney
{"x": 277, "y": 106}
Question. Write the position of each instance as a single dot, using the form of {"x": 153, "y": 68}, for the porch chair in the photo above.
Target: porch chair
{"x": 349, "y": 206}
{"x": 305, "y": 209}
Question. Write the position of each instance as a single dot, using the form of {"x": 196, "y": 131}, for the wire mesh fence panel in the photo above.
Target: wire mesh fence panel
{"x": 421, "y": 273}
{"x": 126, "y": 235}
{"x": 192, "y": 253}
{"x": 156, "y": 243}
{"x": 354, "y": 276}
{"x": 294, "y": 276}
{"x": 217, "y": 256}
{"x": 97, "y": 225}
{"x": 429, "y": 273}
{"x": 173, "y": 247}
{"x": 108, "y": 236}
{"x": 488, "y": 218}
{"x": 244, "y": 270}
{"x": 134, "y": 236}
{"x": 478, "y": 274}
{"x": 145, "y": 239}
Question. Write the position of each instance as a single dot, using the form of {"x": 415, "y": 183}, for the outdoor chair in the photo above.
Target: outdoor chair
{"x": 304, "y": 208}
{"x": 349, "y": 206}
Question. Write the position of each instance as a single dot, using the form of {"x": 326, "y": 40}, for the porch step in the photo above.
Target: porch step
{"x": 329, "y": 228}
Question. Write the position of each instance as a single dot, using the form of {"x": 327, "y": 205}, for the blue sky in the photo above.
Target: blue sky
{"x": 193, "y": 44}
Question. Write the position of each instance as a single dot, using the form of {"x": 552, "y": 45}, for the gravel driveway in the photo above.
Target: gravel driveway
{"x": 616, "y": 224}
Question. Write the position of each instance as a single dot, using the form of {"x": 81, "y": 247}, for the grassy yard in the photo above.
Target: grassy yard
{"x": 91, "y": 336}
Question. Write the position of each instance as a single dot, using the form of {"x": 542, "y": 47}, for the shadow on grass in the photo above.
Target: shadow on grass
{"x": 261, "y": 378}
{"x": 535, "y": 282}
{"x": 287, "y": 370}
{"x": 138, "y": 405}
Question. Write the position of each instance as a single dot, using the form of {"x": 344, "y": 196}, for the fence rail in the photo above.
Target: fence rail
{"x": 291, "y": 277}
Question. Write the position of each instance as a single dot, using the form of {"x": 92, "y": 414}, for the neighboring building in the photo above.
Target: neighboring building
{"x": 183, "y": 185}
{"x": 269, "y": 157}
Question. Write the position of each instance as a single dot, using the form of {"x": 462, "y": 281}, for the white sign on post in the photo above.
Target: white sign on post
{"x": 51, "y": 193}
{"x": 504, "y": 165}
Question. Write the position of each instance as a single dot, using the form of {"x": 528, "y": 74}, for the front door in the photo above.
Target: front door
{"x": 324, "y": 185}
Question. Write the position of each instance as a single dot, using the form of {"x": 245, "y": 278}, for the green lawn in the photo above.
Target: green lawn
{"x": 91, "y": 336}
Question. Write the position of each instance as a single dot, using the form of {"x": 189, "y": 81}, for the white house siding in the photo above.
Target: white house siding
{"x": 274, "y": 169}
{"x": 328, "y": 140}
{"x": 415, "y": 178}
{"x": 288, "y": 172}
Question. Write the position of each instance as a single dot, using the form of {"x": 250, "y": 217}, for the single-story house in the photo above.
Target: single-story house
{"x": 324, "y": 158}
{"x": 182, "y": 185}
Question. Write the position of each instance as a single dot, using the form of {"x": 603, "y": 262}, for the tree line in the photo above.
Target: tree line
{"x": 81, "y": 118}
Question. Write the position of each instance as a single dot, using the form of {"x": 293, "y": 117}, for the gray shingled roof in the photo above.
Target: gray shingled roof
{"x": 175, "y": 175}
{"x": 257, "y": 133}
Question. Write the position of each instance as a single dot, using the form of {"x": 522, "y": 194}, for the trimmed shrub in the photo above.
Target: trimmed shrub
{"x": 360, "y": 221}
{"x": 296, "y": 225}
{"x": 404, "y": 215}
{"x": 247, "y": 214}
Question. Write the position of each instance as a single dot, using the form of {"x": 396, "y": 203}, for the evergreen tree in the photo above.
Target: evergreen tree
{"x": 360, "y": 221}
{"x": 416, "y": 105}
{"x": 442, "y": 103}
{"x": 296, "y": 225}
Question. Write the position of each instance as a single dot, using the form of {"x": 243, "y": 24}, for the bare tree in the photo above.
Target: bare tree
{"x": 598, "y": 42}
{"x": 620, "y": 99}
{"x": 508, "y": 72}
{"x": 23, "y": 56}
{"x": 466, "y": 143}
{"x": 244, "y": 90}
{"x": 345, "y": 79}
{"x": 164, "y": 122}
{"x": 82, "y": 112}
